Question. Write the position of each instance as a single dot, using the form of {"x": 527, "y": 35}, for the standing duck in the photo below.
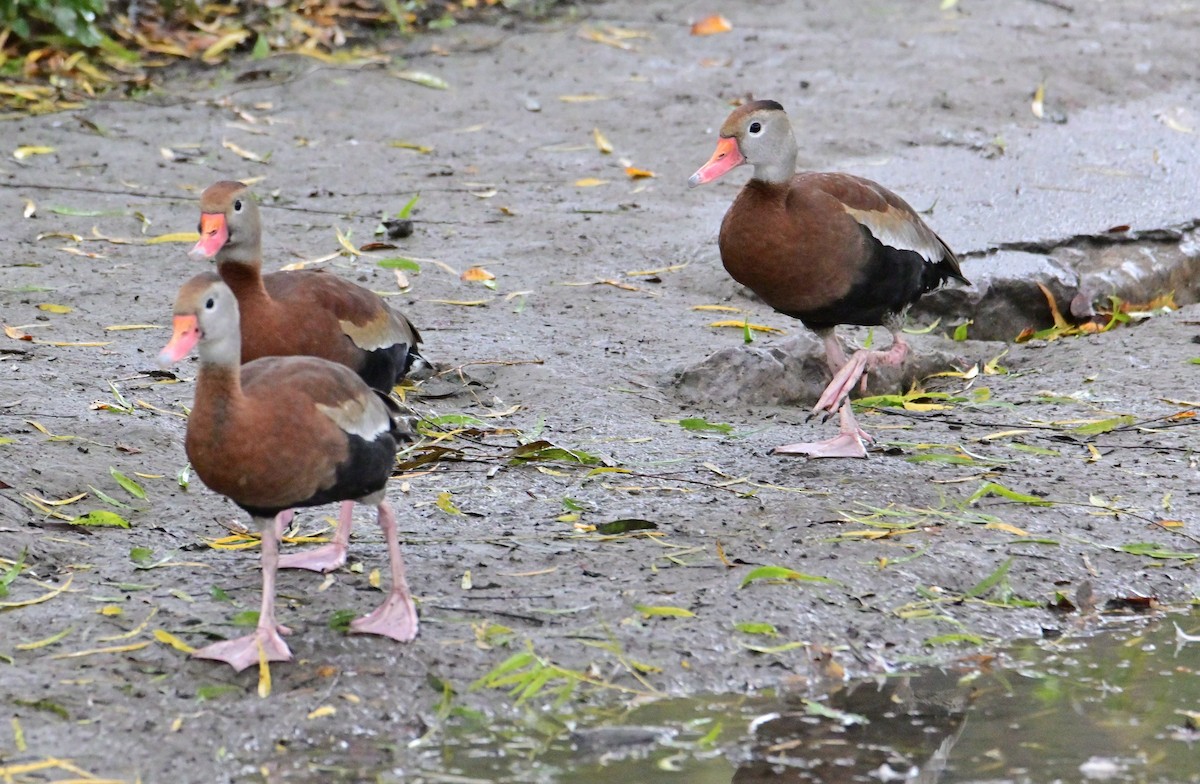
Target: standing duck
{"x": 825, "y": 248}
{"x": 280, "y": 433}
{"x": 302, "y": 312}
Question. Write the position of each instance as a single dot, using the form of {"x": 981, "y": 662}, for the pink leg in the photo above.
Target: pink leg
{"x": 283, "y": 520}
{"x": 327, "y": 557}
{"x": 856, "y": 368}
{"x": 835, "y": 355}
{"x": 849, "y": 442}
{"x": 244, "y": 651}
{"x": 397, "y": 616}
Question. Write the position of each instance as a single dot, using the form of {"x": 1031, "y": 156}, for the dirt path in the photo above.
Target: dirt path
{"x": 576, "y": 345}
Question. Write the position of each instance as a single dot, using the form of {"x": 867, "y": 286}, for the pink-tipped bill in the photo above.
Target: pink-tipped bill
{"x": 185, "y": 338}
{"x": 726, "y": 157}
{"x": 213, "y": 235}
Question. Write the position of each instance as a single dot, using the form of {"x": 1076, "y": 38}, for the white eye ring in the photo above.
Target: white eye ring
{"x": 755, "y": 129}
{"x": 237, "y": 205}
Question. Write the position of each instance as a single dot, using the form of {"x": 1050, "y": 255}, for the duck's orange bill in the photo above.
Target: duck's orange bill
{"x": 213, "y": 234}
{"x": 726, "y": 157}
{"x": 187, "y": 335}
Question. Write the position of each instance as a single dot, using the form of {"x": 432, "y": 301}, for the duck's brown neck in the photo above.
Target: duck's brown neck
{"x": 218, "y": 396}
{"x": 245, "y": 280}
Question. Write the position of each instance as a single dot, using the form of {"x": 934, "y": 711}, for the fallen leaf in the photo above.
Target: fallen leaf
{"x": 462, "y": 302}
{"x": 663, "y": 611}
{"x": 445, "y": 502}
{"x": 264, "y": 673}
{"x": 602, "y": 143}
{"x": 101, "y": 518}
{"x": 52, "y": 308}
{"x": 780, "y": 574}
{"x": 589, "y": 182}
{"x": 473, "y": 274}
{"x": 344, "y": 241}
{"x": 224, "y": 44}
{"x": 179, "y": 236}
{"x": 718, "y": 308}
{"x": 403, "y": 145}
{"x": 635, "y": 173}
{"x": 242, "y": 152}
{"x": 747, "y": 325}
{"x": 165, "y": 637}
{"x": 711, "y": 25}
{"x": 423, "y": 78}
{"x": 21, "y": 153}
{"x": 1038, "y": 105}
{"x": 584, "y": 98}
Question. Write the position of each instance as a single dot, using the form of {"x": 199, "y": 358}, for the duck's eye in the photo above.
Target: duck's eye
{"x": 237, "y": 205}
{"x": 210, "y": 303}
{"x": 755, "y": 128}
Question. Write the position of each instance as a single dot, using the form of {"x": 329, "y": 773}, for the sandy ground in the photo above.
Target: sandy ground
{"x": 920, "y": 99}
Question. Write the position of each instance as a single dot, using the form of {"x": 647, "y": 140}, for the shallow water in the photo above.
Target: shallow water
{"x": 1122, "y": 705}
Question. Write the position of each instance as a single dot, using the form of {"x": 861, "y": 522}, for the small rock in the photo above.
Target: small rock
{"x": 398, "y": 228}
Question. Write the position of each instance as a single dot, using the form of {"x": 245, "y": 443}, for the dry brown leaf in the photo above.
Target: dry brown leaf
{"x": 474, "y": 274}
{"x": 711, "y": 25}
{"x": 224, "y": 44}
{"x": 242, "y": 152}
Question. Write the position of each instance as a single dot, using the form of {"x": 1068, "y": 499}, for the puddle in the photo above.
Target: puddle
{"x": 1110, "y": 707}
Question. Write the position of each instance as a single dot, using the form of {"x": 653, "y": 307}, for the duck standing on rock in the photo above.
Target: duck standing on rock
{"x": 302, "y": 313}
{"x": 825, "y": 248}
{"x": 280, "y": 433}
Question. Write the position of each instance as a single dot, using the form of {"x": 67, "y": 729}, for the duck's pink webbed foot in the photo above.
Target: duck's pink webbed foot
{"x": 243, "y": 651}
{"x": 327, "y": 557}
{"x": 850, "y": 441}
{"x": 397, "y": 616}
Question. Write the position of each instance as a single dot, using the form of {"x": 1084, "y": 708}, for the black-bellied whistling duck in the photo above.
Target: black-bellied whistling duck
{"x": 280, "y": 433}
{"x": 302, "y": 312}
{"x": 825, "y": 248}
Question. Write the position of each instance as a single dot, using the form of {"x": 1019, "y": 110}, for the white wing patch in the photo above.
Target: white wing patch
{"x": 362, "y": 416}
{"x": 896, "y": 230}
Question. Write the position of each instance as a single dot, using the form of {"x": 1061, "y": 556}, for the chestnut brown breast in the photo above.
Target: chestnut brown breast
{"x": 248, "y": 446}
{"x": 832, "y": 249}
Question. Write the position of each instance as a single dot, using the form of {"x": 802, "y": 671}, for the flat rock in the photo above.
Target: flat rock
{"x": 794, "y": 371}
